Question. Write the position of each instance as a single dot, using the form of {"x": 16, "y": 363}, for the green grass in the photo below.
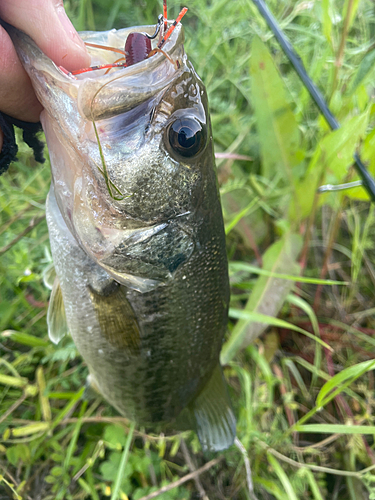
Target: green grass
{"x": 306, "y": 413}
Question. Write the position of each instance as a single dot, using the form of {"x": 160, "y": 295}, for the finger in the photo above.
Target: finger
{"x": 17, "y": 96}
{"x": 46, "y": 22}
{"x": 48, "y": 25}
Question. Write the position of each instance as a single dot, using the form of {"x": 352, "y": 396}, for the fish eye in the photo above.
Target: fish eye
{"x": 187, "y": 136}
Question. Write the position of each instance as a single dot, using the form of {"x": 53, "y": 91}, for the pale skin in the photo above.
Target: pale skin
{"x": 46, "y": 22}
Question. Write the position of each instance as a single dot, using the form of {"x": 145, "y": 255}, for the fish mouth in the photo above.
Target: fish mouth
{"x": 99, "y": 95}
{"x": 103, "y": 95}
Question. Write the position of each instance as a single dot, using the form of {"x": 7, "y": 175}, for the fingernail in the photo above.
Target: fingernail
{"x": 69, "y": 28}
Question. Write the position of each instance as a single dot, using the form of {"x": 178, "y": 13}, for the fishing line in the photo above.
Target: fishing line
{"x": 296, "y": 61}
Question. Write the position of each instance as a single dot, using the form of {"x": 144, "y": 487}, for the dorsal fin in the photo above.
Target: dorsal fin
{"x": 56, "y": 318}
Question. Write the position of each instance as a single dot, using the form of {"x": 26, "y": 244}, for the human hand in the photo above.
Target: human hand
{"x": 46, "y": 22}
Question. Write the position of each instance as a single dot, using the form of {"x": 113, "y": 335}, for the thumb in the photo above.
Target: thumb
{"x": 46, "y": 22}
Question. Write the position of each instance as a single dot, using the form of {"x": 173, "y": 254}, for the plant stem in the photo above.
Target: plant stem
{"x": 183, "y": 479}
{"x": 329, "y": 250}
{"x": 123, "y": 462}
{"x": 340, "y": 52}
{"x": 33, "y": 223}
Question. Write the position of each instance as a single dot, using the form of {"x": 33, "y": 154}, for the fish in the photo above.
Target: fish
{"x": 136, "y": 232}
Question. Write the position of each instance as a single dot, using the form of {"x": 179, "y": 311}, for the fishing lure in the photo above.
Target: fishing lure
{"x": 137, "y": 46}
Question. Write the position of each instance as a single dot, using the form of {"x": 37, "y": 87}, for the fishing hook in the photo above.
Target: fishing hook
{"x": 158, "y": 26}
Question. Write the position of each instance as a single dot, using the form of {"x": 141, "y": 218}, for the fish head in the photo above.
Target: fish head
{"x": 131, "y": 153}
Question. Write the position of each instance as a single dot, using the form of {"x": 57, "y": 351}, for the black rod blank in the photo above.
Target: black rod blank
{"x": 367, "y": 180}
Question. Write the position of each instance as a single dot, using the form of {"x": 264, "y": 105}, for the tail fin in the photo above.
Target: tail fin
{"x": 213, "y": 414}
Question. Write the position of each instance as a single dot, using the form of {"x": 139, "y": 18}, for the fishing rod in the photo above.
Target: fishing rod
{"x": 367, "y": 181}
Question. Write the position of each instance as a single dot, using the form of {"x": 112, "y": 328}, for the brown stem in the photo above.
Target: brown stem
{"x": 340, "y": 51}
{"x": 12, "y": 408}
{"x": 15, "y": 218}
{"x": 183, "y": 479}
{"x": 279, "y": 375}
{"x": 192, "y": 468}
{"x": 310, "y": 222}
{"x": 14, "y": 482}
{"x": 329, "y": 249}
{"x": 33, "y": 223}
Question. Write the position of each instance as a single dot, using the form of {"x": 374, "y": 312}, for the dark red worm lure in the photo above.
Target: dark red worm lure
{"x": 137, "y": 47}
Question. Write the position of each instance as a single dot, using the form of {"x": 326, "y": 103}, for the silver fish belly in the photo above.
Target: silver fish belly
{"x": 137, "y": 234}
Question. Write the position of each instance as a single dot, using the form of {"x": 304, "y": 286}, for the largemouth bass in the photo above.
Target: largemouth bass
{"x": 136, "y": 232}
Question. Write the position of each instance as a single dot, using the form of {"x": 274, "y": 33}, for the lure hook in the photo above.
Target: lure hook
{"x": 158, "y": 26}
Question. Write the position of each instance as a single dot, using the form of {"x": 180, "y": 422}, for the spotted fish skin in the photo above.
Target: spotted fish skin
{"x": 141, "y": 271}
{"x": 149, "y": 367}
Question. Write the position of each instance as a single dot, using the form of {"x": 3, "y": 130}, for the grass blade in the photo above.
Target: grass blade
{"x": 124, "y": 459}
{"x": 282, "y": 477}
{"x": 267, "y": 297}
{"x": 336, "y": 429}
{"x": 342, "y": 380}
{"x": 270, "y": 320}
{"x": 243, "y": 266}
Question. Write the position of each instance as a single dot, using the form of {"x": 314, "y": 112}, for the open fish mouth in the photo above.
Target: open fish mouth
{"x": 143, "y": 257}
{"x": 124, "y": 166}
{"x": 100, "y": 93}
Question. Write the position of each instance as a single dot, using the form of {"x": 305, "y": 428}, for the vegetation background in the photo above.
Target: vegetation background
{"x": 299, "y": 354}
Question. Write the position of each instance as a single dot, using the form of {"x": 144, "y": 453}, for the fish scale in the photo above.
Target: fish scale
{"x": 159, "y": 314}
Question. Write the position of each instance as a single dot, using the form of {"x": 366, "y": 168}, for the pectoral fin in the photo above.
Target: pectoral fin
{"x": 116, "y": 317}
{"x": 49, "y": 275}
{"x": 91, "y": 389}
{"x": 56, "y": 319}
{"x": 213, "y": 414}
